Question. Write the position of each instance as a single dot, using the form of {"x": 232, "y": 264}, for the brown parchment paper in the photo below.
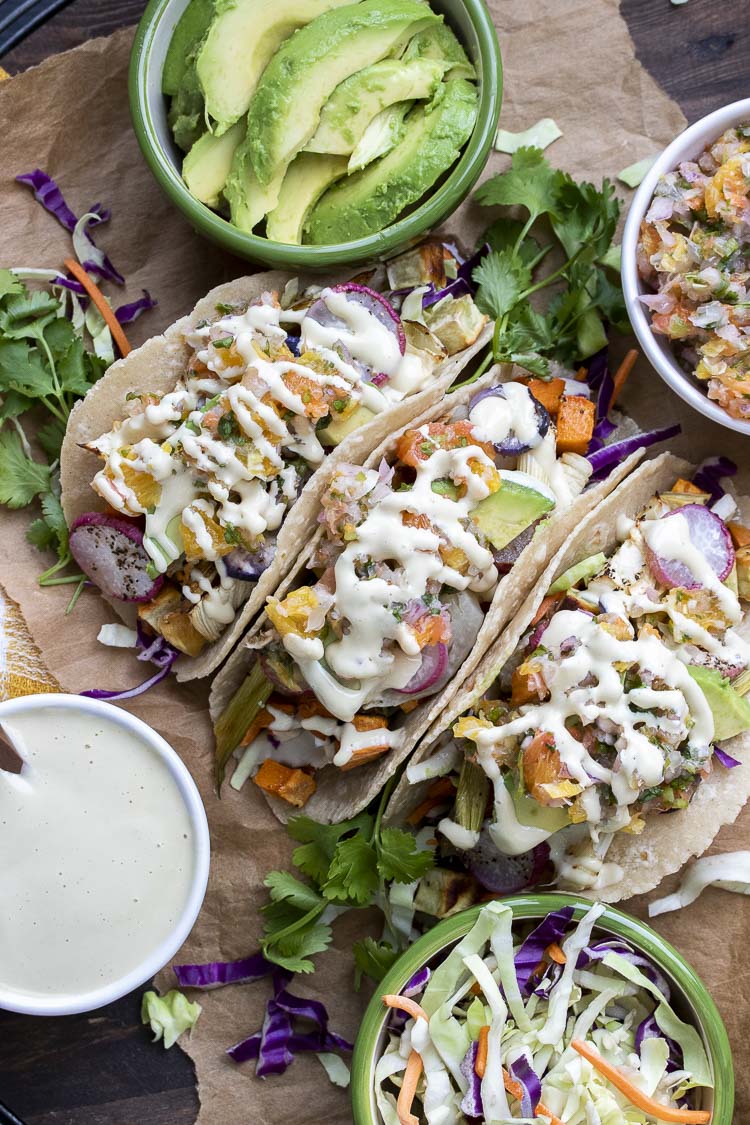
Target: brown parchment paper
{"x": 572, "y": 60}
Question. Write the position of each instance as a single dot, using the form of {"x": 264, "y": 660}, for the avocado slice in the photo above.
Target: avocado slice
{"x": 304, "y": 72}
{"x": 207, "y": 165}
{"x": 241, "y": 41}
{"x": 439, "y": 42}
{"x": 186, "y": 37}
{"x": 382, "y": 134}
{"x": 307, "y": 177}
{"x": 731, "y": 711}
{"x": 504, "y": 514}
{"x": 340, "y": 428}
{"x": 358, "y": 99}
{"x": 370, "y": 200}
{"x": 249, "y": 201}
{"x": 550, "y": 818}
{"x": 580, "y": 572}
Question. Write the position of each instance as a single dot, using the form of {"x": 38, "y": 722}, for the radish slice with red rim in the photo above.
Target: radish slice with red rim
{"x": 504, "y": 874}
{"x": 109, "y": 550}
{"x": 709, "y": 535}
{"x": 374, "y": 302}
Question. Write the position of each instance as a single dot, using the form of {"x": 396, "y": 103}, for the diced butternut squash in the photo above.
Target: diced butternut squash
{"x": 541, "y": 766}
{"x": 575, "y": 424}
{"x": 262, "y": 721}
{"x": 292, "y": 785}
{"x": 682, "y": 485}
{"x": 166, "y": 616}
{"x": 442, "y": 789}
{"x": 740, "y": 534}
{"x": 362, "y": 754}
{"x": 547, "y": 391}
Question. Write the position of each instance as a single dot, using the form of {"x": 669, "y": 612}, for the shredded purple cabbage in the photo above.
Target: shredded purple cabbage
{"x": 215, "y": 974}
{"x": 472, "y": 1104}
{"x": 154, "y": 650}
{"x": 72, "y": 284}
{"x": 47, "y": 192}
{"x": 727, "y": 761}
{"x": 461, "y": 285}
{"x": 600, "y": 950}
{"x": 126, "y": 314}
{"x": 709, "y": 475}
{"x": 528, "y": 1080}
{"x": 602, "y": 460}
{"x": 550, "y": 929}
{"x": 419, "y": 981}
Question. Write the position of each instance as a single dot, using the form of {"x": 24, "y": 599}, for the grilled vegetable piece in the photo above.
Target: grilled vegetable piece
{"x": 110, "y": 551}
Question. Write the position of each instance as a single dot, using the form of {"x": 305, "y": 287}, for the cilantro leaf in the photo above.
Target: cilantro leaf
{"x": 585, "y": 216}
{"x": 285, "y": 888}
{"x": 14, "y": 405}
{"x": 502, "y": 279}
{"x": 55, "y": 518}
{"x": 530, "y": 182}
{"x": 25, "y": 315}
{"x": 40, "y": 535}
{"x": 353, "y": 874}
{"x": 22, "y": 369}
{"x": 319, "y": 842}
{"x": 373, "y": 959}
{"x": 50, "y": 436}
{"x": 504, "y": 234}
{"x": 399, "y": 858}
{"x": 21, "y": 479}
{"x": 9, "y": 284}
{"x": 293, "y": 951}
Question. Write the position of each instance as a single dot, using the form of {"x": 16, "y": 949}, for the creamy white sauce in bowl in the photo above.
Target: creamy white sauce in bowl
{"x": 104, "y": 854}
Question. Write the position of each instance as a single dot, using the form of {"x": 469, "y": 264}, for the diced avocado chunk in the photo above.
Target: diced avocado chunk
{"x": 186, "y": 38}
{"x": 372, "y": 199}
{"x": 533, "y": 815}
{"x": 580, "y": 572}
{"x": 358, "y": 99}
{"x": 730, "y": 710}
{"x": 307, "y": 177}
{"x": 506, "y": 513}
{"x": 249, "y": 201}
{"x": 382, "y": 134}
{"x": 285, "y": 108}
{"x": 207, "y": 165}
{"x": 456, "y": 321}
{"x": 340, "y": 428}
{"x": 439, "y": 42}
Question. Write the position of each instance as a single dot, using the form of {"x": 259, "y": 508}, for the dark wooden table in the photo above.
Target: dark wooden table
{"x": 100, "y": 1069}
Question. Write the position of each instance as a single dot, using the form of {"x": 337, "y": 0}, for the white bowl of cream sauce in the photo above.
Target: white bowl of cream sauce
{"x": 104, "y": 854}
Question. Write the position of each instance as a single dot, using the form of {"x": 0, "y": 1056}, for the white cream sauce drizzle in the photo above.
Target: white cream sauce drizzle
{"x": 318, "y": 740}
{"x": 494, "y": 417}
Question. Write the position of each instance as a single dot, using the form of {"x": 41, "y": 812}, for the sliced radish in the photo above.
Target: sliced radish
{"x": 709, "y": 535}
{"x": 504, "y": 874}
{"x": 374, "y": 302}
{"x": 433, "y": 667}
{"x": 110, "y": 552}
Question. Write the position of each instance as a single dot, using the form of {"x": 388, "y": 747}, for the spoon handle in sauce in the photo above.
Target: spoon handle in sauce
{"x": 8, "y": 1117}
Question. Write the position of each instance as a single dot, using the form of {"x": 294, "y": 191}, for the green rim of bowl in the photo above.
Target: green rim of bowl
{"x": 397, "y": 236}
{"x": 641, "y": 936}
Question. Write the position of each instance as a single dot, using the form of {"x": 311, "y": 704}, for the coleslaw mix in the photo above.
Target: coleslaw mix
{"x": 693, "y": 251}
{"x": 212, "y": 468}
{"x": 408, "y": 559}
{"x": 550, "y": 1023}
{"x": 609, "y": 711}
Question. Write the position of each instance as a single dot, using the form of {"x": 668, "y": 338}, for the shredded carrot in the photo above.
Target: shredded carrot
{"x": 409, "y": 1089}
{"x": 636, "y": 1096}
{"x": 480, "y": 1063}
{"x": 102, "y": 304}
{"x": 622, "y": 373}
{"x": 556, "y": 953}
{"x": 441, "y": 789}
{"x": 404, "y": 1004}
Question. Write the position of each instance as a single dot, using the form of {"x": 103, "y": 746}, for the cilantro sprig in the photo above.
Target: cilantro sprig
{"x": 578, "y": 222}
{"x": 348, "y": 867}
{"x": 44, "y": 368}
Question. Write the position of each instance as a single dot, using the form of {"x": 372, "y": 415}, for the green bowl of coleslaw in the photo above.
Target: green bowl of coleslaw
{"x": 689, "y": 999}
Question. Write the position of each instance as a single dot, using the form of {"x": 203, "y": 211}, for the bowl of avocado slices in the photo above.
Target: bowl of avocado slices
{"x": 307, "y": 134}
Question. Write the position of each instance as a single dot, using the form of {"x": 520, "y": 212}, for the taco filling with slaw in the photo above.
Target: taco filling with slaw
{"x": 610, "y": 709}
{"x": 205, "y": 474}
{"x": 399, "y": 581}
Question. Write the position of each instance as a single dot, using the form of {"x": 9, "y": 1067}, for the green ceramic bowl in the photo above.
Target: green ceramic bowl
{"x": 689, "y": 995}
{"x": 472, "y": 23}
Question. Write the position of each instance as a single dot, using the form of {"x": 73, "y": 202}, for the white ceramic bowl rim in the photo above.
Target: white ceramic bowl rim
{"x": 16, "y": 1001}
{"x": 686, "y": 146}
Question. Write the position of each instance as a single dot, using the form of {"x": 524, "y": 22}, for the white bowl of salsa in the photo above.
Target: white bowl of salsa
{"x": 108, "y": 854}
{"x": 658, "y": 348}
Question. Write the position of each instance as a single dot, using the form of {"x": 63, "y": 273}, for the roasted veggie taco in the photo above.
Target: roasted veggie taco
{"x": 605, "y": 738}
{"x": 215, "y": 439}
{"x": 423, "y": 554}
